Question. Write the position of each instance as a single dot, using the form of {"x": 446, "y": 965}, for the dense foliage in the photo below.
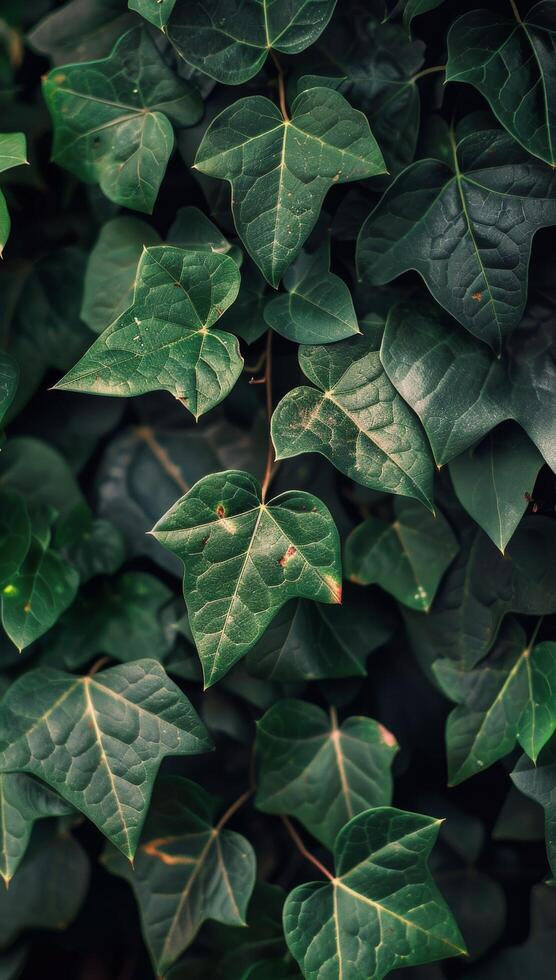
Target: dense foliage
{"x": 288, "y": 266}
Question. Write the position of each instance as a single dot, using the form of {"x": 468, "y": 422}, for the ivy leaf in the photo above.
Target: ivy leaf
{"x": 320, "y": 772}
{"x": 339, "y": 925}
{"x": 192, "y": 229}
{"x": 511, "y": 62}
{"x": 81, "y": 29}
{"x": 156, "y": 12}
{"x": 414, "y": 8}
{"x": 249, "y": 556}
{"x": 113, "y": 119}
{"x": 99, "y": 741}
{"x": 9, "y": 377}
{"x": 308, "y": 641}
{"x": 40, "y": 474}
{"x": 317, "y": 307}
{"x": 488, "y": 481}
{"x": 23, "y": 801}
{"x": 230, "y": 40}
{"x": 187, "y": 869}
{"x": 509, "y": 697}
{"x": 460, "y": 391}
{"x": 407, "y": 557}
{"x": 246, "y": 317}
{"x": 355, "y": 418}
{"x": 538, "y": 781}
{"x": 281, "y": 169}
{"x": 450, "y": 223}
{"x": 93, "y": 546}
{"x": 13, "y": 149}
{"x": 164, "y": 339}
{"x": 15, "y": 534}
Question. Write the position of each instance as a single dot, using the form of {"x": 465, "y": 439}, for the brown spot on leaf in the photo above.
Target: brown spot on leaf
{"x": 387, "y": 736}
{"x": 477, "y": 296}
{"x": 220, "y": 512}
{"x": 286, "y": 557}
{"x": 27, "y": 607}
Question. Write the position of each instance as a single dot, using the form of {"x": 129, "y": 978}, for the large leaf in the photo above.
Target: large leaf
{"x": 187, "y": 869}
{"x": 13, "y": 150}
{"x": 99, "y": 741}
{"x": 489, "y": 480}
{"x": 509, "y": 697}
{"x": 164, "y": 339}
{"x": 366, "y": 921}
{"x": 81, "y": 30}
{"x": 23, "y": 801}
{"x": 243, "y": 559}
{"x": 538, "y": 781}
{"x": 407, "y": 557}
{"x": 355, "y": 418}
{"x": 230, "y": 39}
{"x": 113, "y": 119}
{"x": 510, "y": 60}
{"x": 320, "y": 772}
{"x": 281, "y": 169}
{"x": 466, "y": 227}
{"x": 460, "y": 391}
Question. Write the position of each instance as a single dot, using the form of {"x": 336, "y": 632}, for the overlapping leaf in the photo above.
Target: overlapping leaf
{"x": 9, "y": 376}
{"x": 355, "y": 418}
{"x": 465, "y": 227}
{"x": 113, "y": 119}
{"x": 23, "y": 801}
{"x": 156, "y": 12}
{"x": 320, "y": 772}
{"x": 407, "y": 557}
{"x": 244, "y": 558}
{"x": 538, "y": 781}
{"x": 187, "y": 869}
{"x": 230, "y": 39}
{"x": 340, "y": 926}
{"x": 99, "y": 741}
{"x": 13, "y": 149}
{"x": 164, "y": 340}
{"x": 281, "y": 169}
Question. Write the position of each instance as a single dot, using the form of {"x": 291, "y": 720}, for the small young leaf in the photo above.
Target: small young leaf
{"x": 281, "y": 169}
{"x": 113, "y": 119}
{"x": 320, "y": 772}
{"x": 341, "y": 925}
{"x": 243, "y": 559}
{"x": 356, "y": 419}
{"x": 99, "y": 741}
{"x": 164, "y": 339}
{"x": 407, "y": 558}
{"x": 23, "y": 801}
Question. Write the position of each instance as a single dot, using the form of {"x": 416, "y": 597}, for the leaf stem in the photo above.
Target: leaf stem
{"x": 281, "y": 87}
{"x": 98, "y": 665}
{"x": 303, "y": 850}
{"x": 256, "y": 367}
{"x": 270, "y": 451}
{"x": 428, "y": 71}
{"x": 233, "y": 809}
{"x": 333, "y": 716}
{"x": 517, "y": 14}
{"x": 534, "y": 634}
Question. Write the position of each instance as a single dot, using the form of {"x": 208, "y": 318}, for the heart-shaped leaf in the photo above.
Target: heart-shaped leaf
{"x": 281, "y": 169}
{"x": 164, "y": 339}
{"x": 230, "y": 39}
{"x": 244, "y": 558}
{"x": 450, "y": 222}
{"x": 320, "y": 772}
{"x": 355, "y": 418}
{"x": 113, "y": 119}
{"x": 187, "y": 869}
{"x": 99, "y": 741}
{"x": 340, "y": 925}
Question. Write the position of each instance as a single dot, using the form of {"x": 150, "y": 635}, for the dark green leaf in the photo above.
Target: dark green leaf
{"x": 156, "y": 12}
{"x": 9, "y": 376}
{"x": 538, "y": 781}
{"x": 15, "y": 534}
{"x": 13, "y": 152}
{"x": 81, "y": 29}
{"x": 23, "y": 801}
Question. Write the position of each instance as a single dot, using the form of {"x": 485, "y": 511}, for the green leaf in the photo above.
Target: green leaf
{"x": 49, "y": 888}
{"x": 15, "y": 534}
{"x": 81, "y": 30}
{"x": 489, "y": 480}
{"x": 110, "y": 275}
{"x": 246, "y": 316}
{"x": 164, "y": 339}
{"x": 356, "y": 419}
{"x": 407, "y": 557}
{"x": 156, "y": 12}
{"x": 230, "y": 39}
{"x": 320, "y": 772}
{"x": 317, "y": 307}
{"x": 308, "y": 641}
{"x": 23, "y": 801}
{"x": 9, "y": 377}
{"x": 280, "y": 170}
{"x": 92, "y": 546}
{"x": 243, "y": 559}
{"x": 13, "y": 150}
{"x": 460, "y": 391}
{"x": 538, "y": 781}
{"x": 192, "y": 229}
{"x": 40, "y": 474}
{"x": 414, "y": 8}
{"x": 509, "y": 697}
{"x": 534, "y": 956}
{"x": 187, "y": 869}
{"x": 510, "y": 60}
{"x": 450, "y": 223}
{"x": 99, "y": 741}
{"x": 113, "y": 119}
{"x": 366, "y": 921}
